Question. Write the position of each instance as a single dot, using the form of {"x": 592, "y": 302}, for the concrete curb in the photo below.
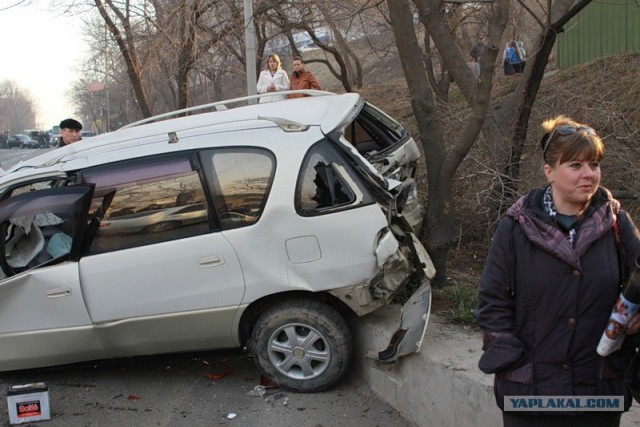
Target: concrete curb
{"x": 441, "y": 385}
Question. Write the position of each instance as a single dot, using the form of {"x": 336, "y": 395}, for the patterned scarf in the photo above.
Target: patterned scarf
{"x": 566, "y": 222}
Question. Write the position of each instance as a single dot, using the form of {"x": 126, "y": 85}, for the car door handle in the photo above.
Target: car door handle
{"x": 59, "y": 292}
{"x": 211, "y": 261}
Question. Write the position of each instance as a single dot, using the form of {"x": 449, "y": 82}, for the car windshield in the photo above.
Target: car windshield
{"x": 23, "y": 137}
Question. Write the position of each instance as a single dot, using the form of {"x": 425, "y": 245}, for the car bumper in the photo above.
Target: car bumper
{"x": 408, "y": 337}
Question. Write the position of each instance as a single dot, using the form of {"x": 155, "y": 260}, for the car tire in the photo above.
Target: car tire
{"x": 302, "y": 345}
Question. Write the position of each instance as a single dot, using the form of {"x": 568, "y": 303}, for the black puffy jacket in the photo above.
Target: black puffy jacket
{"x": 544, "y": 304}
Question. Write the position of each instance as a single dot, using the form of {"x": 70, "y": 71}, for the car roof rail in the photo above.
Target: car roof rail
{"x": 224, "y": 105}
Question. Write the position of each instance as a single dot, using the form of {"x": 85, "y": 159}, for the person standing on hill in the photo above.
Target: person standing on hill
{"x": 506, "y": 64}
{"x": 273, "y": 79}
{"x": 522, "y": 53}
{"x": 476, "y": 52}
{"x": 301, "y": 78}
{"x": 515, "y": 57}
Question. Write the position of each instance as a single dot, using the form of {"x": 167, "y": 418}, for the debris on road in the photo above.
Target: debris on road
{"x": 257, "y": 391}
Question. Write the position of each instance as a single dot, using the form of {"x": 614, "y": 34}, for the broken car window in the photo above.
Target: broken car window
{"x": 372, "y": 132}
{"x": 38, "y": 227}
{"x": 325, "y": 184}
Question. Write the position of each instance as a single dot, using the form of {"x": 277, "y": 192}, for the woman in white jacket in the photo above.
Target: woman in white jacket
{"x": 273, "y": 79}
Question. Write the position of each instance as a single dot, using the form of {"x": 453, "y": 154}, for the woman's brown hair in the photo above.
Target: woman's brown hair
{"x": 565, "y": 140}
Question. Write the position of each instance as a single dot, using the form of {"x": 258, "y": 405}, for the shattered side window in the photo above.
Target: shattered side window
{"x": 38, "y": 228}
{"x": 327, "y": 184}
{"x": 38, "y": 185}
{"x": 373, "y": 132}
{"x": 32, "y": 240}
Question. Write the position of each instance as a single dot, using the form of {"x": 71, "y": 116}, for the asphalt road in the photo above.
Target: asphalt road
{"x": 11, "y": 156}
{"x": 197, "y": 389}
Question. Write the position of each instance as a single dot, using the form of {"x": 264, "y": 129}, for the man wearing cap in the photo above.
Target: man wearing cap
{"x": 69, "y": 131}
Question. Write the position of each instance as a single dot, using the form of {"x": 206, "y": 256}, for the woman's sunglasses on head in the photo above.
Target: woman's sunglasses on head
{"x": 566, "y": 130}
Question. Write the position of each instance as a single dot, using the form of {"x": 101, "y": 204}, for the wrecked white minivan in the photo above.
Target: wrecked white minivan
{"x": 260, "y": 225}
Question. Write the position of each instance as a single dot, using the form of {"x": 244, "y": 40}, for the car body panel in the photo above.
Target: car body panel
{"x": 149, "y": 282}
{"x": 43, "y": 309}
{"x": 49, "y": 292}
{"x": 414, "y": 319}
{"x": 49, "y": 347}
{"x": 166, "y": 333}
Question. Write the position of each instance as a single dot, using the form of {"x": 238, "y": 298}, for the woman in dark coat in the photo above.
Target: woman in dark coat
{"x": 551, "y": 278}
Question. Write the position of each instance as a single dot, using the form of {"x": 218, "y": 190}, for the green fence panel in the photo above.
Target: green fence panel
{"x": 602, "y": 28}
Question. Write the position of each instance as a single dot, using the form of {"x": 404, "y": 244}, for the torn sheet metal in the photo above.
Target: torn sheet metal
{"x": 413, "y": 325}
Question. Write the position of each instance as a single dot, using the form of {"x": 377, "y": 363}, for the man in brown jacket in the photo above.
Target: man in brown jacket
{"x": 302, "y": 79}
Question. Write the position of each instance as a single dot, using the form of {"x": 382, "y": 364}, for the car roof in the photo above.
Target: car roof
{"x": 322, "y": 110}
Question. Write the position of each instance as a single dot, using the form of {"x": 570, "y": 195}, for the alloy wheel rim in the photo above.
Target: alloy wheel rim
{"x": 299, "y": 351}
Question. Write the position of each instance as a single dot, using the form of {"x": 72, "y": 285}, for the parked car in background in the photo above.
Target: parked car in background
{"x": 262, "y": 226}
{"x": 55, "y": 135}
{"x": 37, "y": 135}
{"x": 21, "y": 141}
{"x": 87, "y": 134}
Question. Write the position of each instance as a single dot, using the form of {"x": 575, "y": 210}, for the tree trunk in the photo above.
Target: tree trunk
{"x": 128, "y": 52}
{"x": 519, "y": 106}
{"x": 442, "y": 164}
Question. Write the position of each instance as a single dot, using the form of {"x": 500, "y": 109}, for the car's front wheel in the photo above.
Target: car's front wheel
{"x": 303, "y": 345}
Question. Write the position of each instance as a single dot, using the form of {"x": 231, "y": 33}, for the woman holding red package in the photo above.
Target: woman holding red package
{"x": 552, "y": 276}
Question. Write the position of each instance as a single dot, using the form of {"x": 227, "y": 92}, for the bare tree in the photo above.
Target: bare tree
{"x": 14, "y": 3}
{"x": 17, "y": 108}
{"x": 315, "y": 18}
{"x": 121, "y": 25}
{"x": 162, "y": 44}
{"x": 510, "y": 121}
{"x": 189, "y": 29}
{"x": 507, "y": 122}
{"x": 442, "y": 163}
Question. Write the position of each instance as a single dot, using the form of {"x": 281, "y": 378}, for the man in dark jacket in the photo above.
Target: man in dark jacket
{"x": 69, "y": 131}
{"x": 476, "y": 52}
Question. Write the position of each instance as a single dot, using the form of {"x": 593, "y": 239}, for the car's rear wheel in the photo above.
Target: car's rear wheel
{"x": 303, "y": 345}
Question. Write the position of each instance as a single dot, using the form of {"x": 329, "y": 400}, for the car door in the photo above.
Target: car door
{"x": 157, "y": 276}
{"x": 43, "y": 318}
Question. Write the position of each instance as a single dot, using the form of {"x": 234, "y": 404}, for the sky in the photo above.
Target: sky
{"x": 40, "y": 51}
